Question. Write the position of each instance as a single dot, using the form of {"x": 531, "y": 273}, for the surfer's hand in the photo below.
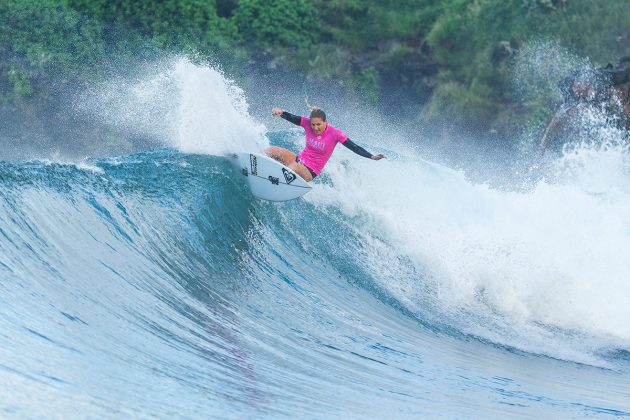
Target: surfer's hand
{"x": 379, "y": 156}
{"x": 276, "y": 111}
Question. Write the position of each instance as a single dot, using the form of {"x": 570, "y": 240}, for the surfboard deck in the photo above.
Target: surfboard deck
{"x": 269, "y": 179}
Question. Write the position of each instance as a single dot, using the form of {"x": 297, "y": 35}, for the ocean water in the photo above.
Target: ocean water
{"x": 153, "y": 285}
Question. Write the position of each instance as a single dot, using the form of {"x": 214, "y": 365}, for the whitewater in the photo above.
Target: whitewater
{"x": 153, "y": 284}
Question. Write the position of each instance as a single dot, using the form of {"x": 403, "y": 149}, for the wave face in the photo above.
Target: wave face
{"x": 155, "y": 285}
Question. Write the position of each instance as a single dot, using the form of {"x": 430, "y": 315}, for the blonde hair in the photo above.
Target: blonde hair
{"x": 316, "y": 112}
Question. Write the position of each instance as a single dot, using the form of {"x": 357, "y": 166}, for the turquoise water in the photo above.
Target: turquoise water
{"x": 154, "y": 285}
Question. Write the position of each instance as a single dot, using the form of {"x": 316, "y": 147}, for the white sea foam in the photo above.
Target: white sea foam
{"x": 533, "y": 270}
{"x": 545, "y": 271}
{"x": 177, "y": 103}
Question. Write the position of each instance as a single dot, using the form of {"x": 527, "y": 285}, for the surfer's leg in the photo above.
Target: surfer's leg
{"x": 288, "y": 158}
{"x": 301, "y": 170}
{"x": 281, "y": 155}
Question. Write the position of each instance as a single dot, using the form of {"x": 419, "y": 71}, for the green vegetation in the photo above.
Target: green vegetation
{"x": 473, "y": 42}
{"x": 279, "y": 24}
{"x": 453, "y": 58}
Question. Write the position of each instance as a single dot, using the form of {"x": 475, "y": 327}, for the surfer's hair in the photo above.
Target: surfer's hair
{"x": 316, "y": 112}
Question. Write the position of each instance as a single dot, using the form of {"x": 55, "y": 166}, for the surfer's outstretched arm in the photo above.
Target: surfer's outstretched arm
{"x": 287, "y": 116}
{"x": 361, "y": 151}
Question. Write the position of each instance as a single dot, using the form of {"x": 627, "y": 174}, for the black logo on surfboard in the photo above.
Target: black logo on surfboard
{"x": 289, "y": 176}
{"x": 254, "y": 164}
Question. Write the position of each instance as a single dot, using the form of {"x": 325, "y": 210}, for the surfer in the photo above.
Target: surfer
{"x": 321, "y": 139}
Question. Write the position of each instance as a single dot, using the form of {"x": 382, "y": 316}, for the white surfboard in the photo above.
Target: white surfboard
{"x": 269, "y": 179}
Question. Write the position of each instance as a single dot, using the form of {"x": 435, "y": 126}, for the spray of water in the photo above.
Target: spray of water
{"x": 545, "y": 270}
{"x": 177, "y": 103}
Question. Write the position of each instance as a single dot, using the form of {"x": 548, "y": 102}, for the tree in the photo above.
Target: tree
{"x": 277, "y": 23}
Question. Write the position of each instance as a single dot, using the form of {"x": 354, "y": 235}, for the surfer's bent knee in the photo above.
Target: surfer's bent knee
{"x": 276, "y": 153}
{"x": 273, "y": 151}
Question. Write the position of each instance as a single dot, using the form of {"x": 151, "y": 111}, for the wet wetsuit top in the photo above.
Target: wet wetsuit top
{"x": 319, "y": 147}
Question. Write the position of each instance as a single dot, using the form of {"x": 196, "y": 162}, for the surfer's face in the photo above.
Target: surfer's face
{"x": 318, "y": 125}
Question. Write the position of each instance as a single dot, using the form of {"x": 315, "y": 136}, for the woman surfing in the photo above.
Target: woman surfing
{"x": 321, "y": 139}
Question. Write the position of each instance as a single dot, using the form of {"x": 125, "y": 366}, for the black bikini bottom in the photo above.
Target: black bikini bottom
{"x": 297, "y": 159}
